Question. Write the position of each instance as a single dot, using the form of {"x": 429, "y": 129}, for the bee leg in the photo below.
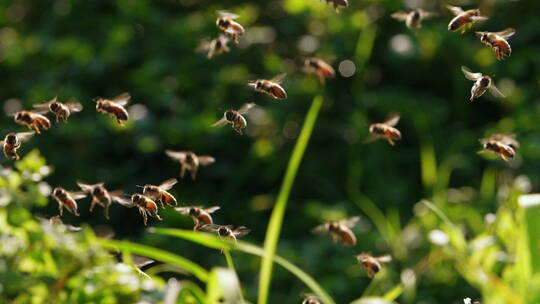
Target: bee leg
{"x": 106, "y": 211}
{"x": 194, "y": 174}
{"x": 92, "y": 205}
{"x": 57, "y": 119}
{"x": 503, "y": 157}
{"x": 16, "y": 156}
{"x": 61, "y": 209}
{"x": 145, "y": 217}
{"x": 391, "y": 142}
{"x": 36, "y": 128}
{"x": 197, "y": 225}
{"x": 182, "y": 171}
{"x": 321, "y": 78}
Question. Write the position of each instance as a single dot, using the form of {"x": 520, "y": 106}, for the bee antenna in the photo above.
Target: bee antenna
{"x": 139, "y": 186}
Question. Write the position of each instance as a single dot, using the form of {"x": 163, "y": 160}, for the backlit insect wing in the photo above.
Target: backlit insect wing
{"x": 495, "y": 91}
{"x": 44, "y": 107}
{"x": 128, "y": 203}
{"x": 176, "y": 155}
{"x": 245, "y": 108}
{"x": 278, "y": 78}
{"x": 184, "y": 210}
{"x": 350, "y": 222}
{"x": 77, "y": 195}
{"x": 168, "y": 184}
{"x": 226, "y": 14}
{"x": 392, "y": 121}
{"x": 320, "y": 229}
{"x": 206, "y": 160}
{"x": 507, "y": 139}
{"x": 24, "y": 136}
{"x": 74, "y": 106}
{"x": 385, "y": 258}
{"x": 241, "y": 231}
{"x": 212, "y": 209}
{"x": 220, "y": 123}
{"x": 507, "y": 33}
{"x": 400, "y": 15}
{"x": 122, "y": 99}
{"x": 456, "y": 10}
{"x": 469, "y": 74}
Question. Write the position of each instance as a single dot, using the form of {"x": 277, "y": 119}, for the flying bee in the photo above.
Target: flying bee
{"x": 311, "y": 299}
{"x": 201, "y": 216}
{"x": 215, "y": 46}
{"x": 190, "y": 161}
{"x": 226, "y": 231}
{"x": 12, "y": 142}
{"x": 413, "y": 19}
{"x": 60, "y": 110}
{"x": 338, "y": 3}
{"x": 339, "y": 231}
{"x": 469, "y": 301}
{"x": 372, "y": 264}
{"x": 320, "y": 68}
{"x": 504, "y": 145}
{"x": 160, "y": 193}
{"x": 144, "y": 204}
{"x": 100, "y": 196}
{"x": 464, "y": 20}
{"x": 226, "y": 23}
{"x": 498, "y": 42}
{"x": 235, "y": 118}
{"x": 386, "y": 130}
{"x": 270, "y": 87}
{"x": 32, "y": 120}
{"x": 67, "y": 199}
{"x": 115, "y": 107}
{"x": 481, "y": 84}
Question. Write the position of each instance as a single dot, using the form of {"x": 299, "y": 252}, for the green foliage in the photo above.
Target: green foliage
{"x": 43, "y": 262}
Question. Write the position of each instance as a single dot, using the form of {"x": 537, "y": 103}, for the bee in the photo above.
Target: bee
{"x": 12, "y": 142}
{"x": 504, "y": 145}
{"x": 60, "y": 110}
{"x": 386, "y": 130}
{"x": 144, "y": 204}
{"x": 100, "y": 196}
{"x": 311, "y": 299}
{"x": 67, "y": 199}
{"x": 215, "y": 46}
{"x": 56, "y": 220}
{"x": 235, "y": 118}
{"x": 160, "y": 193}
{"x": 498, "y": 42}
{"x": 190, "y": 161}
{"x": 338, "y": 3}
{"x": 372, "y": 264}
{"x": 201, "y": 216}
{"x": 32, "y": 120}
{"x": 226, "y": 23}
{"x": 226, "y": 231}
{"x": 413, "y": 19}
{"x": 320, "y": 68}
{"x": 464, "y": 20}
{"x": 481, "y": 84}
{"x": 270, "y": 87}
{"x": 339, "y": 231}
{"x": 115, "y": 107}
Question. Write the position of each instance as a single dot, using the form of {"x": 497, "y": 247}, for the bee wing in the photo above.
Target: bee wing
{"x": 85, "y": 187}
{"x": 183, "y": 210}
{"x": 122, "y": 99}
{"x": 116, "y": 193}
{"x": 220, "y": 123}
{"x": 204, "y": 45}
{"x": 176, "y": 155}
{"x": 427, "y": 15}
{"x": 245, "y": 108}
{"x": 251, "y": 84}
{"x": 2, "y": 142}
{"x": 385, "y": 258}
{"x": 350, "y": 222}
{"x": 210, "y": 227}
{"x": 240, "y": 231}
{"x": 212, "y": 209}
{"x": 493, "y": 89}
{"x": 507, "y": 139}
{"x": 507, "y": 33}
{"x": 74, "y": 106}
{"x": 479, "y": 18}
{"x": 206, "y": 160}
{"x": 168, "y": 184}
{"x": 226, "y": 14}
{"x": 319, "y": 229}
{"x": 24, "y": 136}
{"x": 123, "y": 201}
{"x": 42, "y": 106}
{"x": 141, "y": 261}
{"x": 77, "y": 195}
{"x": 392, "y": 121}
{"x": 456, "y": 10}
{"x": 470, "y": 75}
{"x": 401, "y": 15}
{"x": 278, "y": 78}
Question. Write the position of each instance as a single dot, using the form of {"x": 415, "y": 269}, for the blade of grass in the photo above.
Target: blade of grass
{"x": 157, "y": 254}
{"x": 212, "y": 241}
{"x": 276, "y": 219}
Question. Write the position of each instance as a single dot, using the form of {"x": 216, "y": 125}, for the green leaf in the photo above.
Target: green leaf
{"x": 212, "y": 241}
{"x": 157, "y": 254}
{"x": 276, "y": 219}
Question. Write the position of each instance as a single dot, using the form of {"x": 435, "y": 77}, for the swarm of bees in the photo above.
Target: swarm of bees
{"x": 154, "y": 196}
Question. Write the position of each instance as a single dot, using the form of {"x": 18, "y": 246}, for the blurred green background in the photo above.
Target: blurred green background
{"x": 86, "y": 49}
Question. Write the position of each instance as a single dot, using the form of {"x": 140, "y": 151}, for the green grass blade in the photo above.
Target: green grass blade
{"x": 157, "y": 254}
{"x": 212, "y": 241}
{"x": 276, "y": 219}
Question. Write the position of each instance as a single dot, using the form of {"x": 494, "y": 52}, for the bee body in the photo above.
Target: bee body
{"x": 67, "y": 199}
{"x": 498, "y": 42}
{"x": 160, "y": 193}
{"x": 504, "y": 145}
{"x": 201, "y": 216}
{"x": 146, "y": 207}
{"x": 372, "y": 264}
{"x": 465, "y": 20}
{"x": 337, "y": 3}
{"x": 32, "y": 120}
{"x": 231, "y": 28}
{"x": 340, "y": 231}
{"x": 273, "y": 89}
{"x": 319, "y": 68}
